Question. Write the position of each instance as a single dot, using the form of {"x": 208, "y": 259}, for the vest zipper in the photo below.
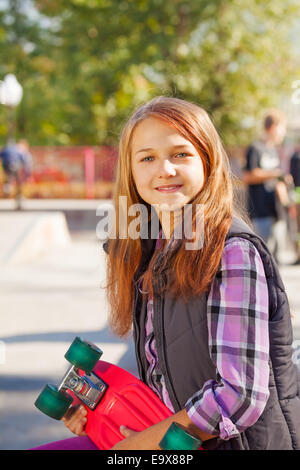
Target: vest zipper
{"x": 137, "y": 332}
{"x": 158, "y": 320}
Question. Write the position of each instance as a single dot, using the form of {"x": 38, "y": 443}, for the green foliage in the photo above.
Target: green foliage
{"x": 86, "y": 64}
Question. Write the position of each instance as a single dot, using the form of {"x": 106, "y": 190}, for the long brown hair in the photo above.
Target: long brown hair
{"x": 192, "y": 270}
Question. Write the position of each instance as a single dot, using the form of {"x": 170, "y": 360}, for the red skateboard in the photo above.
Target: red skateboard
{"x": 111, "y": 395}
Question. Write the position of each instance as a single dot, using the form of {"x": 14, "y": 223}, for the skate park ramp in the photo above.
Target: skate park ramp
{"x": 26, "y": 235}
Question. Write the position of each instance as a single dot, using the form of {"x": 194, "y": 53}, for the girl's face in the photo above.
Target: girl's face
{"x": 166, "y": 167}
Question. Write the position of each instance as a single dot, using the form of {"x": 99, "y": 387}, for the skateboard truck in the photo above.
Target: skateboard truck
{"x": 80, "y": 379}
{"x": 90, "y": 389}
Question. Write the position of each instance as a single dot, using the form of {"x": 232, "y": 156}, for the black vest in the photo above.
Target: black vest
{"x": 182, "y": 327}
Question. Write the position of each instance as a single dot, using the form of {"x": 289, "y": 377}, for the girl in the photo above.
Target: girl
{"x": 209, "y": 312}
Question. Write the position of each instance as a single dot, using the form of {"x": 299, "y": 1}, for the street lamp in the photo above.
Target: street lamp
{"x": 11, "y": 93}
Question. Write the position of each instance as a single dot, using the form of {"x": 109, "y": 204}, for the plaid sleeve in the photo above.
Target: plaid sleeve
{"x": 237, "y": 311}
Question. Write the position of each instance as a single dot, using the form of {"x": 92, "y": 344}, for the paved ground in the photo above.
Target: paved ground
{"x": 44, "y": 304}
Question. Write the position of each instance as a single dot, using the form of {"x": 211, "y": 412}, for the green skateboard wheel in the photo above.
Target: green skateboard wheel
{"x": 53, "y": 402}
{"x": 83, "y": 355}
{"x": 177, "y": 438}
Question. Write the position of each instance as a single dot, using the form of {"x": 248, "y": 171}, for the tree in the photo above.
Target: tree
{"x": 96, "y": 60}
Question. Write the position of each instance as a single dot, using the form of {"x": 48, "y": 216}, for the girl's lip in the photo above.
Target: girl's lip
{"x": 168, "y": 188}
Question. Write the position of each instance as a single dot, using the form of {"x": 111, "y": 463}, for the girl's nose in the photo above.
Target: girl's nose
{"x": 166, "y": 169}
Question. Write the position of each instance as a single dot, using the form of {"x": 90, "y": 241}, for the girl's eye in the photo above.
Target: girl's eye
{"x": 147, "y": 159}
{"x": 181, "y": 154}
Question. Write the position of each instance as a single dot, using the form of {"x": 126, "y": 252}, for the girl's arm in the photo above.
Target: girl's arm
{"x": 259, "y": 175}
{"x": 238, "y": 314}
{"x": 75, "y": 421}
{"x": 150, "y": 437}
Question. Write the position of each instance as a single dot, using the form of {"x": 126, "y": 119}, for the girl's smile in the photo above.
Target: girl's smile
{"x": 166, "y": 167}
{"x": 169, "y": 188}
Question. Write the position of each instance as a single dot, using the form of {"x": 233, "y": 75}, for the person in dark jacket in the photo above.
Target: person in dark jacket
{"x": 295, "y": 168}
{"x": 267, "y": 194}
{"x": 199, "y": 288}
{"x": 295, "y": 173}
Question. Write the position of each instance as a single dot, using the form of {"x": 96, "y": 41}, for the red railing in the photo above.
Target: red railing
{"x": 71, "y": 172}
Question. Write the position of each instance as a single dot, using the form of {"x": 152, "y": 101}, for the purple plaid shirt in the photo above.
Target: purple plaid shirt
{"x": 237, "y": 315}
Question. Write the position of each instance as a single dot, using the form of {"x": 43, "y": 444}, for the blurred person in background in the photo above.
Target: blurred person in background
{"x": 295, "y": 173}
{"x": 267, "y": 189}
{"x": 17, "y": 165}
{"x": 295, "y": 168}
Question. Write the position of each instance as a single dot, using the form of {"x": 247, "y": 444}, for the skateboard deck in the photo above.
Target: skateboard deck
{"x": 127, "y": 400}
{"x": 111, "y": 395}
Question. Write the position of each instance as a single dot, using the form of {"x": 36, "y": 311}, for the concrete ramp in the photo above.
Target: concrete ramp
{"x": 26, "y": 235}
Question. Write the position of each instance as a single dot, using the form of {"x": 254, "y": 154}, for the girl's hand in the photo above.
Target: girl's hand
{"x": 75, "y": 420}
{"x": 149, "y": 438}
